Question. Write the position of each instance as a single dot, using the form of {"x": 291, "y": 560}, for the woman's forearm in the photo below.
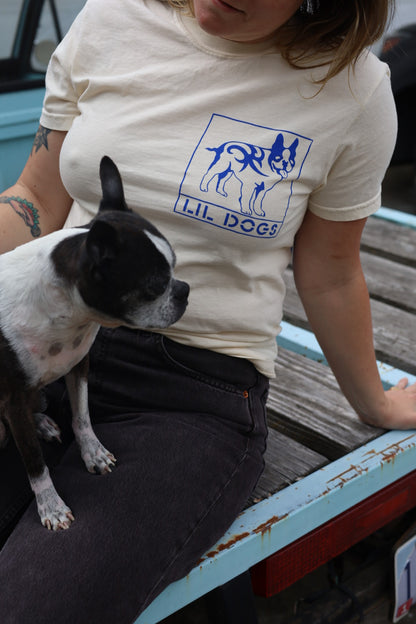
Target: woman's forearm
{"x": 20, "y": 217}
{"x": 341, "y": 321}
{"x": 38, "y": 203}
{"x": 331, "y": 284}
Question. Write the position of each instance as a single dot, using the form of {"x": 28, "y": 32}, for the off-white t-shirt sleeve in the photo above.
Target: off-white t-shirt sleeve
{"x": 352, "y": 188}
{"x": 60, "y": 105}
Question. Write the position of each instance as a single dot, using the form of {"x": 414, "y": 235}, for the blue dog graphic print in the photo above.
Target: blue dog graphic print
{"x": 257, "y": 169}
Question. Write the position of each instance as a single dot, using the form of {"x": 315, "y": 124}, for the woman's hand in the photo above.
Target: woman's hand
{"x": 400, "y": 406}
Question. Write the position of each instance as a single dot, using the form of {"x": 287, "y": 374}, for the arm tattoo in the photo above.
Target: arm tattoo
{"x": 26, "y": 210}
{"x": 41, "y": 139}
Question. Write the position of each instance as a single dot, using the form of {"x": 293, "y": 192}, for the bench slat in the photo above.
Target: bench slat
{"x": 390, "y": 240}
{"x": 394, "y": 329}
{"x": 390, "y": 282}
{"x": 286, "y": 461}
{"x": 305, "y": 403}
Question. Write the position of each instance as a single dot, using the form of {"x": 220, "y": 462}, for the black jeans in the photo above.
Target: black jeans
{"x": 188, "y": 429}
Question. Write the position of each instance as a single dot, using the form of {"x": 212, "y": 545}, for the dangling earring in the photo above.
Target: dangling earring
{"x": 309, "y": 6}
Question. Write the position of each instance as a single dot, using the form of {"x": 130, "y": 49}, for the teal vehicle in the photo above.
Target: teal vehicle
{"x": 29, "y": 32}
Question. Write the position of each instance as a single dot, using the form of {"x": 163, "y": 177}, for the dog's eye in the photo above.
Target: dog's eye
{"x": 155, "y": 287}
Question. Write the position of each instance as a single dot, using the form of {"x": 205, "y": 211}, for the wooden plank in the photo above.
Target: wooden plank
{"x": 304, "y": 343}
{"x": 394, "y": 336}
{"x": 286, "y": 461}
{"x": 306, "y": 404}
{"x": 390, "y": 240}
{"x": 389, "y": 262}
{"x": 390, "y": 282}
{"x": 394, "y": 329}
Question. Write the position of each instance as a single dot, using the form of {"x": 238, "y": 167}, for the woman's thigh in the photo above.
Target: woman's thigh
{"x": 183, "y": 474}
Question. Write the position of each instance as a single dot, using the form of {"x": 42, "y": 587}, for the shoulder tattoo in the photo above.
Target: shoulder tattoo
{"x": 26, "y": 211}
{"x": 41, "y": 139}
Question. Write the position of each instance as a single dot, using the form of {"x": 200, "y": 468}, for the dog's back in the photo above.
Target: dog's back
{"x": 40, "y": 319}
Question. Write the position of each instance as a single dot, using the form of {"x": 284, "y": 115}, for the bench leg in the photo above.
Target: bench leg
{"x": 232, "y": 603}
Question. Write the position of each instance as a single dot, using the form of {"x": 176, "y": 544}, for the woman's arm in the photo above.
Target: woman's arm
{"x": 38, "y": 203}
{"x": 332, "y": 288}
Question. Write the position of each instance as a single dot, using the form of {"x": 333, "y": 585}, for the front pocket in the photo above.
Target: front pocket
{"x": 196, "y": 372}
{"x": 215, "y": 369}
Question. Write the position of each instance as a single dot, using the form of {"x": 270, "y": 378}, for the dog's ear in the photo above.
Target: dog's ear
{"x": 112, "y": 186}
{"x": 278, "y": 145}
{"x": 102, "y": 242}
{"x": 294, "y": 147}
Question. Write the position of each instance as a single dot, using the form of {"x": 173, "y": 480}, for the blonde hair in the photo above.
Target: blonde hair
{"x": 341, "y": 28}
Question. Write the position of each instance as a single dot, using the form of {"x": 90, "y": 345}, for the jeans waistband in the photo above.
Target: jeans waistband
{"x": 236, "y": 371}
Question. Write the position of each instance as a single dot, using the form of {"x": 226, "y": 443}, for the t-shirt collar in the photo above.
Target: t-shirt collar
{"x": 218, "y": 46}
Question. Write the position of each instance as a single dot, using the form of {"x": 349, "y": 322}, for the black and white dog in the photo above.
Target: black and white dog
{"x": 55, "y": 294}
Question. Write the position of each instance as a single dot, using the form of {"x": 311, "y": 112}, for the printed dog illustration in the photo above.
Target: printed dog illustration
{"x": 256, "y": 168}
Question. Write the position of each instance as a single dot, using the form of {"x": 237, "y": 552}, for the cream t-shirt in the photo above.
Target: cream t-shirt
{"x": 223, "y": 146}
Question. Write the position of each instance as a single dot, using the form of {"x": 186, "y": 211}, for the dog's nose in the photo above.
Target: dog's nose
{"x": 181, "y": 291}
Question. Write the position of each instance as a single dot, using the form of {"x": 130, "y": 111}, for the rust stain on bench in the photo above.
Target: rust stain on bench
{"x": 386, "y": 455}
{"x": 266, "y": 526}
{"x": 233, "y": 540}
{"x": 390, "y": 452}
{"x": 349, "y": 474}
{"x": 260, "y": 530}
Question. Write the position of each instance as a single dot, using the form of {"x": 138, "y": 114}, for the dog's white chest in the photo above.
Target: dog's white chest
{"x": 52, "y": 357}
{"x": 48, "y": 346}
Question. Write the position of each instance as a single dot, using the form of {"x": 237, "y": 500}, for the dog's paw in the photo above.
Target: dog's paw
{"x": 46, "y": 428}
{"x": 53, "y": 512}
{"x": 96, "y": 457}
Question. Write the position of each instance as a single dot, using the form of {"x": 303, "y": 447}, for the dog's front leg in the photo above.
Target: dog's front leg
{"x": 53, "y": 512}
{"x": 46, "y": 427}
{"x": 96, "y": 457}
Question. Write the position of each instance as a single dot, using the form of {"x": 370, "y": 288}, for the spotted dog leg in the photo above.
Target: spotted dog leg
{"x": 46, "y": 427}
{"x": 53, "y": 512}
{"x": 96, "y": 457}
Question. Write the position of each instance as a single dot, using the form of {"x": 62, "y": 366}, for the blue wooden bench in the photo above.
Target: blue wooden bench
{"x": 276, "y": 522}
{"x": 290, "y": 533}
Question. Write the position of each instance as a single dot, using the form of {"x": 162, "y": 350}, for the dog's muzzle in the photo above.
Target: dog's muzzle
{"x": 180, "y": 293}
